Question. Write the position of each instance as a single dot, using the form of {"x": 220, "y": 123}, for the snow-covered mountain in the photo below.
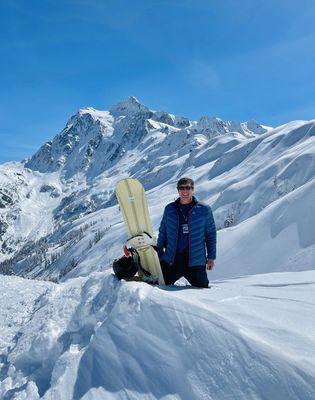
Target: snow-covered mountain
{"x": 93, "y": 337}
{"x": 57, "y": 205}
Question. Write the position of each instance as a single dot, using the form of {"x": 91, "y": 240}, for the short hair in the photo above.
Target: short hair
{"x": 186, "y": 181}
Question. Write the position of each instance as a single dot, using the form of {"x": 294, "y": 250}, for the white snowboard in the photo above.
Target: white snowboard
{"x": 133, "y": 205}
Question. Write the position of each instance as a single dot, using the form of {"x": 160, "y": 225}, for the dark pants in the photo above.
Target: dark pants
{"x": 196, "y": 275}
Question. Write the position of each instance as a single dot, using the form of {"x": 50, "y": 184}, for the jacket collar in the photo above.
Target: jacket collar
{"x": 194, "y": 201}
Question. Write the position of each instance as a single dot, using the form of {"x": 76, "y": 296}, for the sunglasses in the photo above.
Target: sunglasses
{"x": 185, "y": 187}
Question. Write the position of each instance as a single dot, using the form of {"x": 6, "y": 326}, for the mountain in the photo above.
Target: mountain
{"x": 54, "y": 206}
{"x": 76, "y": 332}
{"x": 94, "y": 141}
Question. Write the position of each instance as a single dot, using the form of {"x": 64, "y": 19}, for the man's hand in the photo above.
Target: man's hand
{"x": 210, "y": 264}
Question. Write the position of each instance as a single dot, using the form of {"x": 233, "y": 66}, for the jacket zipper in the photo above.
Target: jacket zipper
{"x": 176, "y": 237}
{"x": 188, "y": 214}
{"x": 188, "y": 222}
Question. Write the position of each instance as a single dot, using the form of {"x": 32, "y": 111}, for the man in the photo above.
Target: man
{"x": 187, "y": 238}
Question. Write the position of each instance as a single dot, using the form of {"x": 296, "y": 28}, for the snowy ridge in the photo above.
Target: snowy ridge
{"x": 90, "y": 133}
{"x": 94, "y": 337}
{"x": 279, "y": 238}
{"x": 60, "y": 203}
{"x": 84, "y": 338}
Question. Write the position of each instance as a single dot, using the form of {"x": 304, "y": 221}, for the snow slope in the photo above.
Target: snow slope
{"x": 58, "y": 210}
{"x": 93, "y": 337}
{"x": 280, "y": 238}
{"x": 98, "y": 338}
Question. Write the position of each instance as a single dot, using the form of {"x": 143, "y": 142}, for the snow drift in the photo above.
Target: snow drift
{"x": 97, "y": 338}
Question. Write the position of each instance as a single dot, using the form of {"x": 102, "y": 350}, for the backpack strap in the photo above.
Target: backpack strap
{"x": 136, "y": 257}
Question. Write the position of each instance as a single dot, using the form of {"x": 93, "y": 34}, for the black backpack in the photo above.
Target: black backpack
{"x": 125, "y": 267}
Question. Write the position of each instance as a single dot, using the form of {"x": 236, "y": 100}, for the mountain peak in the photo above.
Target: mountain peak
{"x": 127, "y": 106}
{"x": 219, "y": 126}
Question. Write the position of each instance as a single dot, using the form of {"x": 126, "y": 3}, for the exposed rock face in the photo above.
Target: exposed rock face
{"x": 93, "y": 140}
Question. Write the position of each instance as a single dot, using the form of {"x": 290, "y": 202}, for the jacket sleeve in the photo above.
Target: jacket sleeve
{"x": 161, "y": 242}
{"x": 210, "y": 236}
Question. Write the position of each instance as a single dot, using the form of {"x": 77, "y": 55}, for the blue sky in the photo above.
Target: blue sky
{"x": 235, "y": 59}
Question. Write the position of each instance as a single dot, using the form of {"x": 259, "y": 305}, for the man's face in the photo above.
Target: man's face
{"x": 185, "y": 192}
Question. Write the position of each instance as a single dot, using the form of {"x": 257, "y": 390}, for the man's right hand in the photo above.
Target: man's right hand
{"x": 210, "y": 265}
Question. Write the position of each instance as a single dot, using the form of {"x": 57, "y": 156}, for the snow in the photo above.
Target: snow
{"x": 35, "y": 197}
{"x": 93, "y": 337}
{"x": 104, "y": 117}
{"x": 280, "y": 238}
{"x": 127, "y": 106}
{"x": 238, "y": 176}
{"x": 96, "y": 338}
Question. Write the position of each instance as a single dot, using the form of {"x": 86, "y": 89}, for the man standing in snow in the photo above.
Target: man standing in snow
{"x": 187, "y": 238}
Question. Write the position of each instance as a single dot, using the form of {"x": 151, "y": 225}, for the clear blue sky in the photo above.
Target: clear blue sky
{"x": 235, "y": 59}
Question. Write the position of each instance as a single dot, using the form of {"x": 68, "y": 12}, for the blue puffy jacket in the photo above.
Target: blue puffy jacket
{"x": 202, "y": 234}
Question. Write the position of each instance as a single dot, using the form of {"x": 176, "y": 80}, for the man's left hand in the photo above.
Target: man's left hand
{"x": 210, "y": 264}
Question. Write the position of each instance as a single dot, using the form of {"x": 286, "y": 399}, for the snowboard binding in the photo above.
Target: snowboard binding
{"x": 141, "y": 241}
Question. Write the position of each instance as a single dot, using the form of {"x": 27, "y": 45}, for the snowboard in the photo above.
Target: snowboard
{"x": 133, "y": 205}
